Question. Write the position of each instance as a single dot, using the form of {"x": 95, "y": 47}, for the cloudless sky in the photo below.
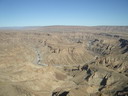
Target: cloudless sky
{"x": 63, "y": 12}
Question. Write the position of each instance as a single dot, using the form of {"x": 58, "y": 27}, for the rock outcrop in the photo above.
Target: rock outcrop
{"x": 64, "y": 61}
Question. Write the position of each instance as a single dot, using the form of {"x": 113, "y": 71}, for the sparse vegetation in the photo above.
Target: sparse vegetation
{"x": 64, "y": 61}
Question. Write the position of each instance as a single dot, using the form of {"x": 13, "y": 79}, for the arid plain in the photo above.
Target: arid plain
{"x": 64, "y": 61}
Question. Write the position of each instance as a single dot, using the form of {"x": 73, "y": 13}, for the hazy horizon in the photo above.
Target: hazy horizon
{"x": 66, "y": 26}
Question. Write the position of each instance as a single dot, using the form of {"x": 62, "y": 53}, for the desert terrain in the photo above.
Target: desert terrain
{"x": 64, "y": 61}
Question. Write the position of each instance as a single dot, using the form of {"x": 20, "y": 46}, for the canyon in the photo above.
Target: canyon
{"x": 64, "y": 61}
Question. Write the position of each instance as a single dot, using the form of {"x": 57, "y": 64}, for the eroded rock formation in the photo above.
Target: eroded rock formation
{"x": 64, "y": 61}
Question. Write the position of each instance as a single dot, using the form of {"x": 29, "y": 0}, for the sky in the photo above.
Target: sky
{"x": 16, "y": 13}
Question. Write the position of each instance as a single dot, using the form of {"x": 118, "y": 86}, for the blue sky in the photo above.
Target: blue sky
{"x": 63, "y": 12}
